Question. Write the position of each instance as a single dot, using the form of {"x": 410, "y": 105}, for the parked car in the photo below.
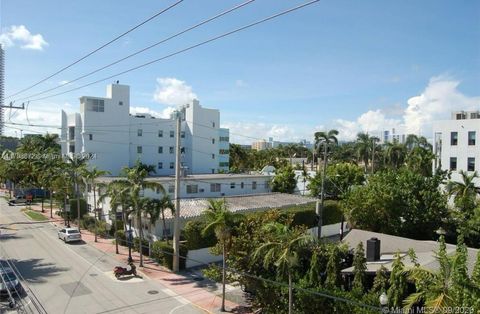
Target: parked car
{"x": 10, "y": 281}
{"x": 69, "y": 235}
{"x": 20, "y": 199}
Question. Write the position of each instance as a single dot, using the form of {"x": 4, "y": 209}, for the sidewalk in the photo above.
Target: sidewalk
{"x": 182, "y": 285}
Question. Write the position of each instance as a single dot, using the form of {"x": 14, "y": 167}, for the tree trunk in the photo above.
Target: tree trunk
{"x": 223, "y": 277}
{"x": 51, "y": 203}
{"x": 78, "y": 203}
{"x": 140, "y": 237}
{"x": 43, "y": 200}
{"x": 290, "y": 293}
{"x": 95, "y": 212}
{"x": 164, "y": 231}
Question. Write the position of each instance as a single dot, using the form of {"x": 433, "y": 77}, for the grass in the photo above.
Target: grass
{"x": 34, "y": 215}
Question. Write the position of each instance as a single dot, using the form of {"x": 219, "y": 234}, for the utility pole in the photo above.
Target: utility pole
{"x": 176, "y": 227}
{"x": 373, "y": 152}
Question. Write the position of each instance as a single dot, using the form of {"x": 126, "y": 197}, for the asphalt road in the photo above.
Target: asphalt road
{"x": 75, "y": 278}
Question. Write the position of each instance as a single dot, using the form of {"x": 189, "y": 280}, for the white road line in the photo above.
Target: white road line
{"x": 176, "y": 308}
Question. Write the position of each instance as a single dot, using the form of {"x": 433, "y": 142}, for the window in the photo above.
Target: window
{"x": 160, "y": 133}
{"x": 160, "y": 149}
{"x": 224, "y": 151}
{"x": 215, "y": 187}
{"x": 471, "y": 137}
{"x": 213, "y": 141}
{"x": 453, "y": 138}
{"x": 157, "y": 190}
{"x": 120, "y": 103}
{"x": 224, "y": 139}
{"x": 170, "y": 149}
{"x": 242, "y": 185}
{"x": 471, "y": 164}
{"x": 232, "y": 185}
{"x": 71, "y": 149}
{"x": 172, "y": 134}
{"x": 474, "y": 115}
{"x": 192, "y": 189}
{"x": 90, "y": 137}
{"x": 139, "y": 149}
{"x": 254, "y": 185}
{"x": 453, "y": 163}
{"x": 71, "y": 133}
{"x": 172, "y": 165}
{"x": 160, "y": 165}
{"x": 97, "y": 105}
{"x": 182, "y": 134}
{"x": 223, "y": 164}
{"x": 460, "y": 116}
{"x": 139, "y": 132}
{"x": 213, "y": 170}
{"x": 171, "y": 189}
{"x": 213, "y": 124}
{"x": 213, "y": 156}
{"x": 89, "y": 188}
{"x": 267, "y": 184}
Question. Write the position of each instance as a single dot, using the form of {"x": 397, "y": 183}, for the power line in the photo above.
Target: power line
{"x": 182, "y": 50}
{"x": 97, "y": 49}
{"x": 69, "y": 82}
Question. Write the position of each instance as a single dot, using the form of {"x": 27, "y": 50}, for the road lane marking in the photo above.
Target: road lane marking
{"x": 175, "y": 296}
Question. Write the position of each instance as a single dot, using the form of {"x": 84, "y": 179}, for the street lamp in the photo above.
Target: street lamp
{"x": 130, "y": 259}
{"x": 384, "y": 302}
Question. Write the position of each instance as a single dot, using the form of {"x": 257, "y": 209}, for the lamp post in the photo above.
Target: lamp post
{"x": 130, "y": 240}
{"x": 384, "y": 302}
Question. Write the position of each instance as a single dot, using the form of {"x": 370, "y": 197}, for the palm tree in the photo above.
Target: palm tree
{"x": 75, "y": 167}
{"x": 118, "y": 192}
{"x": 221, "y": 221}
{"x": 282, "y": 250}
{"x": 90, "y": 175}
{"x": 326, "y": 139}
{"x": 156, "y": 208}
{"x": 395, "y": 154}
{"x": 136, "y": 184}
{"x": 365, "y": 147}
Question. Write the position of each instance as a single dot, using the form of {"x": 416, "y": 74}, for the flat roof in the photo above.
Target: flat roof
{"x": 390, "y": 245}
{"x": 213, "y": 176}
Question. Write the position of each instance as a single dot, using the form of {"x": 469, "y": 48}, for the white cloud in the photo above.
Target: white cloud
{"x": 248, "y": 132}
{"x": 437, "y": 101}
{"x": 173, "y": 92}
{"x": 164, "y": 114}
{"x": 21, "y": 35}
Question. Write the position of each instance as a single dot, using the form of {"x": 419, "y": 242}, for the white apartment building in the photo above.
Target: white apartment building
{"x": 105, "y": 130}
{"x": 457, "y": 143}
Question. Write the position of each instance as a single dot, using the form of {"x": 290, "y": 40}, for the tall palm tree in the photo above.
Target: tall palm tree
{"x": 90, "y": 175}
{"x": 365, "y": 148}
{"x": 466, "y": 187}
{"x": 326, "y": 139}
{"x": 75, "y": 167}
{"x": 136, "y": 184}
{"x": 221, "y": 221}
{"x": 282, "y": 250}
{"x": 118, "y": 193}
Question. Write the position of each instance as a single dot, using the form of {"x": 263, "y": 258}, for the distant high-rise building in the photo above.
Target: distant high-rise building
{"x": 2, "y": 87}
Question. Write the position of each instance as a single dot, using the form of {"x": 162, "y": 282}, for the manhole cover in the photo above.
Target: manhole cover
{"x": 152, "y": 292}
{"x": 198, "y": 278}
{"x": 93, "y": 275}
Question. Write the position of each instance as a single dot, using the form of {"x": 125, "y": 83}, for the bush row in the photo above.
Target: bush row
{"x": 162, "y": 253}
{"x": 302, "y": 215}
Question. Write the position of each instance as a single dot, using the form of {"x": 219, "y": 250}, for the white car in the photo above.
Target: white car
{"x": 69, "y": 235}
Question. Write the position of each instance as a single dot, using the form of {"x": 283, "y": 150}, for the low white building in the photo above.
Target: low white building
{"x": 105, "y": 130}
{"x": 457, "y": 143}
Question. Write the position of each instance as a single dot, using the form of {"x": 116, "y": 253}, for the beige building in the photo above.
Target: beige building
{"x": 261, "y": 145}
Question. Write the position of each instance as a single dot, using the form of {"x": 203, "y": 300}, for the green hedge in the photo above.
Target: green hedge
{"x": 162, "y": 252}
{"x": 305, "y": 214}
{"x": 122, "y": 238}
{"x": 192, "y": 233}
{"x": 73, "y": 208}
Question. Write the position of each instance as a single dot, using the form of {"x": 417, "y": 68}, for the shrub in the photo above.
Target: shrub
{"x": 193, "y": 235}
{"x": 305, "y": 214}
{"x": 88, "y": 222}
{"x": 122, "y": 238}
{"x": 117, "y": 225}
{"x": 145, "y": 246}
{"x": 162, "y": 252}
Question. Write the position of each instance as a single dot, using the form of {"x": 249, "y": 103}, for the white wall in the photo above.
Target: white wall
{"x": 462, "y": 150}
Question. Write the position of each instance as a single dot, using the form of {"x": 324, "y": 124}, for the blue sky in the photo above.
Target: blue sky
{"x": 352, "y": 65}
